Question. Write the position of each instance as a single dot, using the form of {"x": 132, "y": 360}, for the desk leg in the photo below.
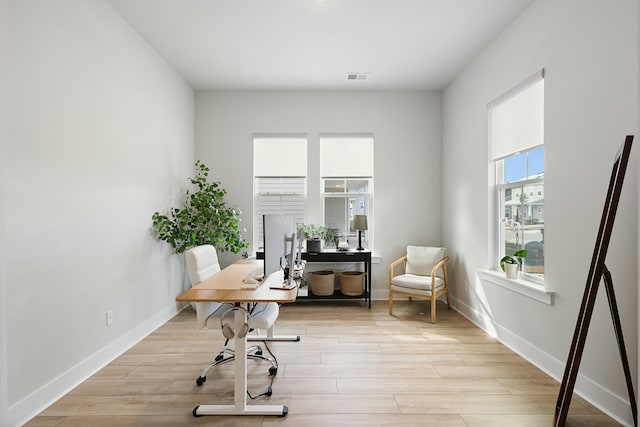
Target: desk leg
{"x": 201, "y": 316}
{"x": 240, "y": 347}
{"x": 240, "y": 406}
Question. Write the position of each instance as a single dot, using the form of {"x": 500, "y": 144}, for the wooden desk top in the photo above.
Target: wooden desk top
{"x": 225, "y": 286}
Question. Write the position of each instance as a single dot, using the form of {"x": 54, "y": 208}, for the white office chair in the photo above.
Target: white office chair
{"x": 202, "y": 263}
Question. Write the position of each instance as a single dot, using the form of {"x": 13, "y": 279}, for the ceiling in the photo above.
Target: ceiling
{"x": 313, "y": 44}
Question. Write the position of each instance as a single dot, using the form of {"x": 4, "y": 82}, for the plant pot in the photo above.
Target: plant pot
{"x": 512, "y": 271}
{"x": 322, "y": 282}
{"x": 314, "y": 245}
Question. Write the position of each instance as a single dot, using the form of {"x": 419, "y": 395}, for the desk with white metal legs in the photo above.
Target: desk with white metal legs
{"x": 225, "y": 286}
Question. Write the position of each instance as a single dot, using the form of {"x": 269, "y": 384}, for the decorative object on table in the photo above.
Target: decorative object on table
{"x": 315, "y": 234}
{"x": 343, "y": 246}
{"x": 360, "y": 224}
{"x": 512, "y": 264}
{"x": 314, "y": 245}
{"x": 204, "y": 218}
{"x": 351, "y": 283}
{"x": 341, "y": 240}
{"x": 322, "y": 282}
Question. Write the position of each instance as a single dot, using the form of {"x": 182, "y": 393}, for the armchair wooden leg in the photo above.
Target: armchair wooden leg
{"x": 390, "y": 301}
{"x": 433, "y": 310}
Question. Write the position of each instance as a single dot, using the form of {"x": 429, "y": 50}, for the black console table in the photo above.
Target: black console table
{"x": 333, "y": 255}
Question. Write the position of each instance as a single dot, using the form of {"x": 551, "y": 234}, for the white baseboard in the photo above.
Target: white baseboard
{"x": 611, "y": 404}
{"x": 27, "y": 408}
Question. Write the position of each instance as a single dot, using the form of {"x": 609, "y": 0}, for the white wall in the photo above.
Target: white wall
{"x": 407, "y": 153}
{"x": 589, "y": 51}
{"x": 3, "y": 214}
{"x": 101, "y": 136}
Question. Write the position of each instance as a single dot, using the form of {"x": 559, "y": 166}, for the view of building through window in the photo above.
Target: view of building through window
{"x": 522, "y": 201}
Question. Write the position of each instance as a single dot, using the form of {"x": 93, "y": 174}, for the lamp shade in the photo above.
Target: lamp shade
{"x": 360, "y": 222}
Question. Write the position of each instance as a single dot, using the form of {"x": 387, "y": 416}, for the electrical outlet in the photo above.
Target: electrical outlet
{"x": 109, "y": 317}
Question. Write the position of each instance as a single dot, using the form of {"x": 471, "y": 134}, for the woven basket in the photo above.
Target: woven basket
{"x": 322, "y": 282}
{"x": 351, "y": 282}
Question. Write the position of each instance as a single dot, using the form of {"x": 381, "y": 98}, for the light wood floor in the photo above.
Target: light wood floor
{"x": 354, "y": 366}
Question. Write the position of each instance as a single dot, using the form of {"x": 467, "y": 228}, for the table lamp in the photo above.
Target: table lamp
{"x": 360, "y": 223}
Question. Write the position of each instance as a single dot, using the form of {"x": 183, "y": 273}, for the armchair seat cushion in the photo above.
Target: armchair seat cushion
{"x": 415, "y": 284}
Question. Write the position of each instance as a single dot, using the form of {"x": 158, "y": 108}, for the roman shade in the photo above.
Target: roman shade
{"x": 516, "y": 119}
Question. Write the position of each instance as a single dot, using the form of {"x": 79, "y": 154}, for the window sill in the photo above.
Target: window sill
{"x": 524, "y": 287}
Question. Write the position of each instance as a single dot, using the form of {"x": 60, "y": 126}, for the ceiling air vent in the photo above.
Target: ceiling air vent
{"x": 357, "y": 76}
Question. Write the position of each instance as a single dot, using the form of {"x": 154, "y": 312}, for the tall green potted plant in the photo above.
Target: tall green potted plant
{"x": 204, "y": 218}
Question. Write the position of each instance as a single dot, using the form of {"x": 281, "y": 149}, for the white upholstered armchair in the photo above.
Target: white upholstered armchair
{"x": 421, "y": 273}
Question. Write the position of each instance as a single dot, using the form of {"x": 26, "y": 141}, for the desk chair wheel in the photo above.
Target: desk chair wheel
{"x": 195, "y": 411}
{"x": 201, "y": 380}
{"x": 218, "y": 358}
{"x": 272, "y": 371}
{"x": 269, "y": 392}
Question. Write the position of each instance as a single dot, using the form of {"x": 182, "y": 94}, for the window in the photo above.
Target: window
{"x": 346, "y": 170}
{"x": 521, "y": 213}
{"x": 344, "y": 198}
{"x": 279, "y": 171}
{"x": 516, "y": 123}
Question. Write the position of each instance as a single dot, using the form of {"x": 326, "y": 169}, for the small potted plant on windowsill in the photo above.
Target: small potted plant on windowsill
{"x": 512, "y": 264}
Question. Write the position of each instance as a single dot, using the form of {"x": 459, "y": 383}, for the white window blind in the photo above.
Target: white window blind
{"x": 280, "y": 171}
{"x": 279, "y": 196}
{"x": 350, "y": 155}
{"x": 280, "y": 156}
{"x": 516, "y": 119}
